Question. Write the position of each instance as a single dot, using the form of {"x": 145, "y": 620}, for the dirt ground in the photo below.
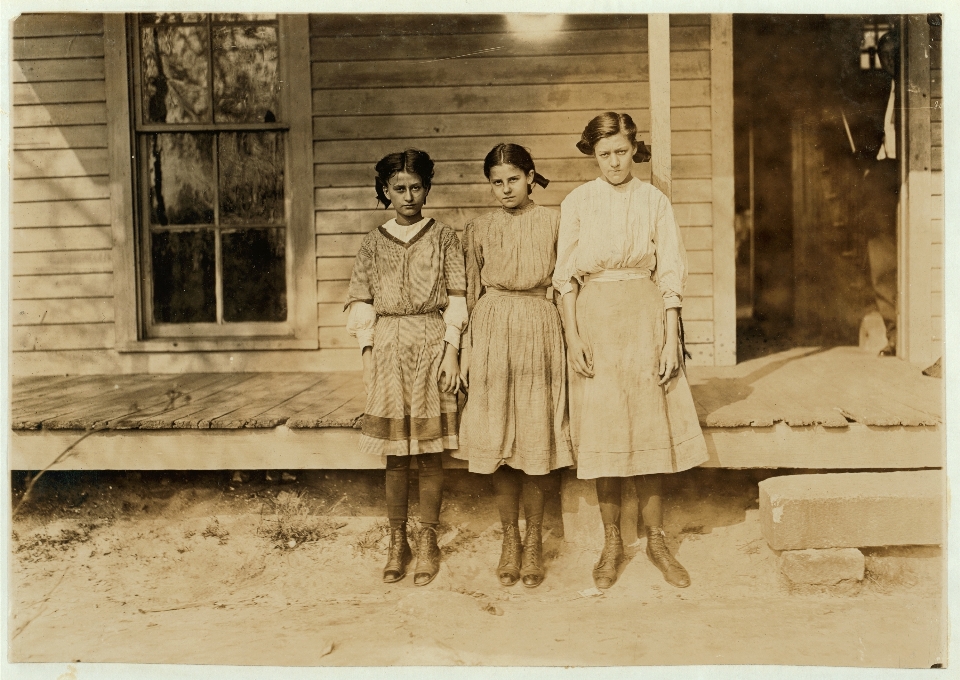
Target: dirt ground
{"x": 194, "y": 568}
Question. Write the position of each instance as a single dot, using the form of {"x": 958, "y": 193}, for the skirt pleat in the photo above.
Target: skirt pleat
{"x": 516, "y": 412}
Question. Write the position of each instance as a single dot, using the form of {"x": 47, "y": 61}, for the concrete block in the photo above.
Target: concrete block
{"x": 828, "y": 566}
{"x": 853, "y": 509}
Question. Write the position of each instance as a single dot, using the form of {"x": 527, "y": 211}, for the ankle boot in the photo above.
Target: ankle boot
{"x": 532, "y": 571}
{"x": 428, "y": 557}
{"x": 508, "y": 570}
{"x": 398, "y": 555}
{"x": 673, "y": 571}
{"x": 605, "y": 572}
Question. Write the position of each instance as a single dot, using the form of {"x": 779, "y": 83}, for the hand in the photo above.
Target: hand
{"x": 580, "y": 355}
{"x": 367, "y": 369}
{"x": 465, "y": 369}
{"x": 448, "y": 375}
{"x": 669, "y": 361}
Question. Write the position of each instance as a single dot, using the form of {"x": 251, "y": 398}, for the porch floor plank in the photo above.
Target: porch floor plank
{"x": 270, "y": 390}
{"x": 305, "y": 402}
{"x": 190, "y": 403}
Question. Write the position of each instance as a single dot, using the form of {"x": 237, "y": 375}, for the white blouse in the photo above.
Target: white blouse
{"x": 361, "y": 317}
{"x": 604, "y": 227}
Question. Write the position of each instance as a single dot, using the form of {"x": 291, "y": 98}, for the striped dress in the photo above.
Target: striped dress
{"x": 409, "y": 285}
{"x": 516, "y": 411}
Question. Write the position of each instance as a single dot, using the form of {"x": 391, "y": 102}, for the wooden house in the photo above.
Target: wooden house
{"x": 189, "y": 192}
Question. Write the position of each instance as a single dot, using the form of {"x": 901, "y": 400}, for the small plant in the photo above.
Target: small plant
{"x": 189, "y": 533}
{"x": 370, "y": 539}
{"x": 42, "y": 547}
{"x": 214, "y": 530}
{"x": 292, "y": 524}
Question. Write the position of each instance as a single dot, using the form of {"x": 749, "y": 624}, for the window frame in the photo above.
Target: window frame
{"x": 131, "y": 271}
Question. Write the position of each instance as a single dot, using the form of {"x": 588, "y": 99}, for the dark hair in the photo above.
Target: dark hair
{"x": 607, "y": 125}
{"x": 518, "y": 157}
{"x": 414, "y": 161}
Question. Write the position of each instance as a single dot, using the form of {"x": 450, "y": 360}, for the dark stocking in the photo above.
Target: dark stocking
{"x": 508, "y": 484}
{"x": 649, "y": 494}
{"x": 533, "y": 495}
{"x": 608, "y": 496}
{"x": 398, "y": 472}
{"x": 431, "y": 488}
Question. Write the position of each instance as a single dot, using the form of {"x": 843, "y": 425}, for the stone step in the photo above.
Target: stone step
{"x": 853, "y": 509}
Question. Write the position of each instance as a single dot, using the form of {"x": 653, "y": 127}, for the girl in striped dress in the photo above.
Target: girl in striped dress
{"x": 407, "y": 309}
{"x": 515, "y": 419}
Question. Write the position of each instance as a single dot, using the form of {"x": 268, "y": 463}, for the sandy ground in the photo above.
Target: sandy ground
{"x": 188, "y": 568}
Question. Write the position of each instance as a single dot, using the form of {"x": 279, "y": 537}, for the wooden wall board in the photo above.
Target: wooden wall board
{"x": 46, "y": 115}
{"x": 63, "y": 311}
{"x": 56, "y": 337}
{"x": 56, "y": 70}
{"x": 59, "y": 163}
{"x": 62, "y": 286}
{"x": 57, "y": 24}
{"x": 45, "y": 239}
{"x": 60, "y": 189}
{"x": 61, "y": 262}
{"x": 66, "y": 137}
{"x": 65, "y": 92}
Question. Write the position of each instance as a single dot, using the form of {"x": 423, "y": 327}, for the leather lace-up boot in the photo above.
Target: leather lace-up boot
{"x": 673, "y": 571}
{"x": 605, "y": 571}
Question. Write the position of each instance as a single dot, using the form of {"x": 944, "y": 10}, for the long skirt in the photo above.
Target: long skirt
{"x": 622, "y": 422}
{"x": 406, "y": 412}
{"x": 516, "y": 411}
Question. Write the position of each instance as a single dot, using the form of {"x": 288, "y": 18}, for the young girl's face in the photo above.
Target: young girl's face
{"x": 407, "y": 195}
{"x": 615, "y": 156}
{"x": 511, "y": 185}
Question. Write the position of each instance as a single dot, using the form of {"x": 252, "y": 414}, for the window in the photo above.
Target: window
{"x": 872, "y": 32}
{"x": 221, "y": 142}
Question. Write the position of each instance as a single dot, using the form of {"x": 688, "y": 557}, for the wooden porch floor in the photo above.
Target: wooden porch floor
{"x": 800, "y": 399}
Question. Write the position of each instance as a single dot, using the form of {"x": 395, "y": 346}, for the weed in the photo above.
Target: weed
{"x": 189, "y": 533}
{"x": 370, "y": 539}
{"x": 292, "y": 524}
{"x": 43, "y": 547}
{"x": 214, "y": 530}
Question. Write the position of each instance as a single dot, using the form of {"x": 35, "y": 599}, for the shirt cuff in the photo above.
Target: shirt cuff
{"x": 567, "y": 287}
{"x": 452, "y": 336}
{"x": 365, "y": 338}
{"x": 671, "y": 301}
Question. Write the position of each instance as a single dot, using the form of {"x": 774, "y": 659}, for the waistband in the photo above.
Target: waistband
{"x": 625, "y": 274}
{"x": 540, "y": 292}
{"x": 436, "y": 312}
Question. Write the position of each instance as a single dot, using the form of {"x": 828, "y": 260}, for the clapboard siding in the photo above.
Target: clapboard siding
{"x": 59, "y": 93}
{"x": 62, "y": 262}
{"x": 455, "y": 87}
{"x": 64, "y": 137}
{"x": 60, "y": 311}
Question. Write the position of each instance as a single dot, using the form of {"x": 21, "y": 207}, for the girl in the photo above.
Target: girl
{"x": 621, "y": 269}
{"x": 407, "y": 310}
{"x": 515, "y": 421}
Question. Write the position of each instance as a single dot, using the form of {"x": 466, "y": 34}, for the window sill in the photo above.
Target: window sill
{"x": 217, "y": 344}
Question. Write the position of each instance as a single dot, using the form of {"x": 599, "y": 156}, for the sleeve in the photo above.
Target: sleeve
{"x": 455, "y": 315}
{"x": 360, "y": 322}
{"x": 360, "y": 288}
{"x": 568, "y": 238}
{"x": 474, "y": 264}
{"x": 671, "y": 272}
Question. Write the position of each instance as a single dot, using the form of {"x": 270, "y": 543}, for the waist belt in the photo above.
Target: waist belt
{"x": 529, "y": 292}
{"x": 436, "y": 312}
{"x": 625, "y": 274}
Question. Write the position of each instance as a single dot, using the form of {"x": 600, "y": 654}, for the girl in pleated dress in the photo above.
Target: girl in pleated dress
{"x": 407, "y": 309}
{"x": 621, "y": 269}
{"x": 515, "y": 423}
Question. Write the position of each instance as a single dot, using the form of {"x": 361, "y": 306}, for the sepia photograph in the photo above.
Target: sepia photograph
{"x": 428, "y": 339}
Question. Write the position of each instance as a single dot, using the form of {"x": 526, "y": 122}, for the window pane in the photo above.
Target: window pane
{"x": 172, "y": 18}
{"x": 245, "y": 85}
{"x": 254, "y": 275}
{"x": 176, "y": 74}
{"x": 181, "y": 178}
{"x": 251, "y": 178}
{"x": 184, "y": 276}
{"x": 244, "y": 17}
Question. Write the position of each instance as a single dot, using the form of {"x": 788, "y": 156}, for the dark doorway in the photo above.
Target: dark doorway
{"x": 813, "y": 197}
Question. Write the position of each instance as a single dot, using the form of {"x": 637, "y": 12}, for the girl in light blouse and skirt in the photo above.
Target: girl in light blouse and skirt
{"x": 621, "y": 269}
